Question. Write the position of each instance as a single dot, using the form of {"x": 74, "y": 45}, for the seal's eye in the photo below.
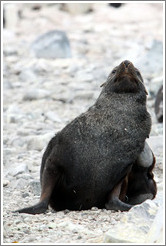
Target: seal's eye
{"x": 114, "y": 71}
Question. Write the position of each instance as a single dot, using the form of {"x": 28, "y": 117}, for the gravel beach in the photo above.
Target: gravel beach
{"x": 41, "y": 95}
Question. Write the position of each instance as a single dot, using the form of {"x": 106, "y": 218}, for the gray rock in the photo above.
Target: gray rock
{"x": 19, "y": 183}
{"x": 35, "y": 94}
{"x": 52, "y": 45}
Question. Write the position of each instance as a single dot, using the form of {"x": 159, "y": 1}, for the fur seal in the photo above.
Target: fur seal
{"x": 92, "y": 160}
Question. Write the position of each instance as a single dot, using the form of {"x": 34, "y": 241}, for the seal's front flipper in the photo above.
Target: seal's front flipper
{"x": 39, "y": 208}
{"x": 146, "y": 158}
{"x": 117, "y": 196}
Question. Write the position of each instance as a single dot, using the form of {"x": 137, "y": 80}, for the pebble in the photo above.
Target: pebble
{"x": 43, "y": 94}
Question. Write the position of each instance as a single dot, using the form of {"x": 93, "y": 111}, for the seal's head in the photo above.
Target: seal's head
{"x": 125, "y": 78}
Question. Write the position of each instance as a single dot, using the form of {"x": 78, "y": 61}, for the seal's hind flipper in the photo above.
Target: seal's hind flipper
{"x": 39, "y": 208}
{"x": 50, "y": 177}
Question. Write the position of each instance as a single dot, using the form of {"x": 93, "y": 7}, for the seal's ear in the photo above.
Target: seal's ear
{"x": 103, "y": 84}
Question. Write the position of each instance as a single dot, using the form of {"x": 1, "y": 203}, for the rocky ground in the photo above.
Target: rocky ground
{"x": 40, "y": 96}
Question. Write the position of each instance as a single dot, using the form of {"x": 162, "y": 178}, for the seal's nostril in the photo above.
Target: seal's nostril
{"x": 126, "y": 63}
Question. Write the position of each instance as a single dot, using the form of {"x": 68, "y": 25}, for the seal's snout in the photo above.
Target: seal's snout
{"x": 126, "y": 63}
{"x": 126, "y": 67}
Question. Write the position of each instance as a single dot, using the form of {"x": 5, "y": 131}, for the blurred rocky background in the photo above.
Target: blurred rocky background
{"x": 55, "y": 57}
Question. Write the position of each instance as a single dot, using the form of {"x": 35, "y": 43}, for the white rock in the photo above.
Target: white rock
{"x": 155, "y": 234}
{"x": 124, "y": 231}
{"x": 22, "y": 168}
